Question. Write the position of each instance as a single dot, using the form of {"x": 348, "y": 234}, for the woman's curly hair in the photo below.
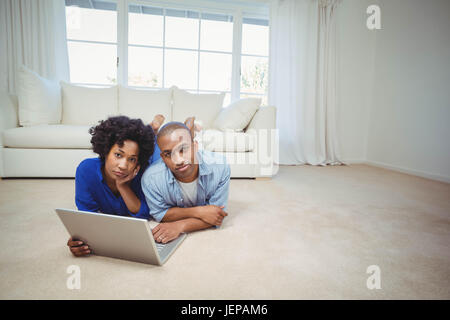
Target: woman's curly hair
{"x": 118, "y": 129}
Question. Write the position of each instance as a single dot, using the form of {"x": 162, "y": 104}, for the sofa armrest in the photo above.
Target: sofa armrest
{"x": 263, "y": 126}
{"x": 9, "y": 117}
{"x": 264, "y": 118}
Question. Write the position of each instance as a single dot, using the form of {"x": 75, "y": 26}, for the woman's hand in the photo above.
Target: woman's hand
{"x": 129, "y": 197}
{"x": 125, "y": 181}
{"x": 78, "y": 248}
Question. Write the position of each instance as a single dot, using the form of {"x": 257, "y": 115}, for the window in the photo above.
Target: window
{"x": 92, "y": 42}
{"x": 192, "y": 48}
{"x": 189, "y": 49}
{"x": 255, "y": 58}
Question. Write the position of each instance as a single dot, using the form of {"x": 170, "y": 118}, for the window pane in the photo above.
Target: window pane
{"x": 92, "y": 63}
{"x": 182, "y": 32}
{"x": 145, "y": 29}
{"x": 216, "y": 35}
{"x": 180, "y": 69}
{"x": 255, "y": 39}
{"x": 145, "y": 67}
{"x": 215, "y": 71}
{"x": 254, "y": 75}
{"x": 91, "y": 24}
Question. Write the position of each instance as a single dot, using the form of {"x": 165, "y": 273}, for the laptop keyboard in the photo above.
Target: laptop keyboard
{"x": 159, "y": 246}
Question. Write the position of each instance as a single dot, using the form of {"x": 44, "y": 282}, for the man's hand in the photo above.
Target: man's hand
{"x": 78, "y": 248}
{"x": 167, "y": 231}
{"x": 212, "y": 214}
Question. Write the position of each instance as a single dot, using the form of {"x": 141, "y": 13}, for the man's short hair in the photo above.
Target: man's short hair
{"x": 170, "y": 127}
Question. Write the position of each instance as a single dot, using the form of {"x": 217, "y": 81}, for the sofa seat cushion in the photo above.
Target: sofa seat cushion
{"x": 226, "y": 141}
{"x": 53, "y": 136}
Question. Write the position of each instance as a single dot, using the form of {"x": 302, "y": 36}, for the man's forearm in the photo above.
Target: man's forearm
{"x": 193, "y": 224}
{"x": 176, "y": 213}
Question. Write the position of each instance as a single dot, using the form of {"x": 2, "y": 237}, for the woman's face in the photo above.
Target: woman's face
{"x": 122, "y": 160}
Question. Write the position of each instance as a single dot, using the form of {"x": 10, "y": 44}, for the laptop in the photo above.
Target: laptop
{"x": 117, "y": 236}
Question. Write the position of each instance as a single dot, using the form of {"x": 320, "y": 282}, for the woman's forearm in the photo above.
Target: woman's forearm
{"x": 129, "y": 197}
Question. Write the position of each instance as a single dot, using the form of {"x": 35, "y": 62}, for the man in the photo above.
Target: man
{"x": 187, "y": 189}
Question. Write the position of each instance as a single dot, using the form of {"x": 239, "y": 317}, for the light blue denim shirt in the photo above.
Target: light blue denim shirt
{"x": 162, "y": 191}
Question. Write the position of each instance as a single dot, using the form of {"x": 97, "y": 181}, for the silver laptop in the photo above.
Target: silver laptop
{"x": 117, "y": 236}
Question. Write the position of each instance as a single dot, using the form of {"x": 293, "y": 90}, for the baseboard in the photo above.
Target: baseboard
{"x": 353, "y": 161}
{"x": 418, "y": 173}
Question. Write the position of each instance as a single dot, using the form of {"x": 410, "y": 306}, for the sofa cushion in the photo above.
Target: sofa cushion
{"x": 39, "y": 99}
{"x": 205, "y": 107}
{"x": 145, "y": 104}
{"x": 87, "y": 106}
{"x": 237, "y": 115}
{"x": 228, "y": 141}
{"x": 53, "y": 136}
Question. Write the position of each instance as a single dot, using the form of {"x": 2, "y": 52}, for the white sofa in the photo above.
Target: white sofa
{"x": 55, "y": 148}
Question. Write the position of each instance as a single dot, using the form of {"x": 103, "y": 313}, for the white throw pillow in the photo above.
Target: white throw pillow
{"x": 87, "y": 106}
{"x": 229, "y": 141}
{"x": 237, "y": 115}
{"x": 145, "y": 104}
{"x": 205, "y": 107}
{"x": 39, "y": 99}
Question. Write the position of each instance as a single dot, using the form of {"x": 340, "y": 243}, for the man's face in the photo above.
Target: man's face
{"x": 178, "y": 153}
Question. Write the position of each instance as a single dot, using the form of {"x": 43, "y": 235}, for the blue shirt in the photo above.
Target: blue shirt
{"x": 163, "y": 192}
{"x": 93, "y": 194}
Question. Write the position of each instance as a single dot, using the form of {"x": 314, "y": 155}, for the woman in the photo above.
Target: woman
{"x": 111, "y": 183}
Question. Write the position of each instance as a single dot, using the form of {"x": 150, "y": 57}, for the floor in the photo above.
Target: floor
{"x": 308, "y": 233}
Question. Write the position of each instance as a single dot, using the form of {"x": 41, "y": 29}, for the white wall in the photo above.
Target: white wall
{"x": 409, "y": 127}
{"x": 356, "y": 50}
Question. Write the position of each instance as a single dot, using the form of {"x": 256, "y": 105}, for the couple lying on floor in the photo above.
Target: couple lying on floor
{"x": 164, "y": 177}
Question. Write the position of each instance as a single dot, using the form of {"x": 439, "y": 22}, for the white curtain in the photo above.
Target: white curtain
{"x": 302, "y": 81}
{"x": 32, "y": 33}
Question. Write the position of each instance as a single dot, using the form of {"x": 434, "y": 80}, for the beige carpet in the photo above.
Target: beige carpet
{"x": 309, "y": 233}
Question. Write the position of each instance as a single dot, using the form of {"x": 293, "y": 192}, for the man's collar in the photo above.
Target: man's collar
{"x": 203, "y": 167}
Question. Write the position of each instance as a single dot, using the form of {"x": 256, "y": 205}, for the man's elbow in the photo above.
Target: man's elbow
{"x": 161, "y": 216}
